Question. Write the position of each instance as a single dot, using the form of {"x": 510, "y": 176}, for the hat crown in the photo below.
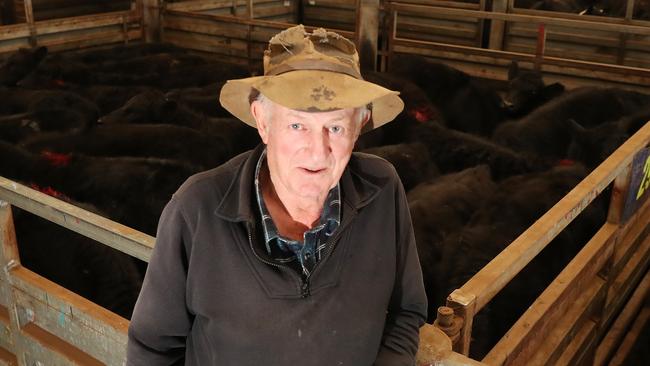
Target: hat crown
{"x": 296, "y": 49}
{"x": 313, "y": 72}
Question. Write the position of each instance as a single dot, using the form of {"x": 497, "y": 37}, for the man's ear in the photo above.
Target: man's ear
{"x": 258, "y": 112}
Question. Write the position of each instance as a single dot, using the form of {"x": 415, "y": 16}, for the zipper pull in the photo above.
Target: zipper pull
{"x": 304, "y": 291}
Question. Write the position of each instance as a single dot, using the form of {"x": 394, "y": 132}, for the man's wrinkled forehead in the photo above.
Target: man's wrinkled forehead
{"x": 336, "y": 115}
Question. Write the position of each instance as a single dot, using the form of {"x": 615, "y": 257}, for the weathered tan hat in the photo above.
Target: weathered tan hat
{"x": 317, "y": 72}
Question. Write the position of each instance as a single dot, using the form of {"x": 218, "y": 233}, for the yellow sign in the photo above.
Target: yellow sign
{"x": 645, "y": 180}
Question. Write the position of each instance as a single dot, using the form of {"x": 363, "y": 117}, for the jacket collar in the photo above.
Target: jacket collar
{"x": 357, "y": 187}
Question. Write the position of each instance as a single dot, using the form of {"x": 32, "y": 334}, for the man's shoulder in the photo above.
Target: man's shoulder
{"x": 373, "y": 165}
{"x": 371, "y": 175}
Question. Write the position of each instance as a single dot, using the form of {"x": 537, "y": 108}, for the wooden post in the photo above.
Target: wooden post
{"x": 9, "y": 260}
{"x": 435, "y": 349}
{"x": 464, "y": 305}
{"x": 8, "y": 247}
{"x": 249, "y": 35}
{"x": 29, "y": 19}
{"x": 498, "y": 27}
{"x": 151, "y": 19}
{"x": 384, "y": 31}
{"x": 391, "y": 33}
{"x": 249, "y": 9}
{"x": 367, "y": 33}
{"x": 629, "y": 10}
{"x": 623, "y": 37}
{"x": 482, "y": 25}
{"x": 541, "y": 46}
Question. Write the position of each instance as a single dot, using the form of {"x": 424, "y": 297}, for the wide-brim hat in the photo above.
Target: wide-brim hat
{"x": 313, "y": 72}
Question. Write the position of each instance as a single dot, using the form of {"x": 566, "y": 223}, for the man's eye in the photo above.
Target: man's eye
{"x": 295, "y": 126}
{"x": 336, "y": 129}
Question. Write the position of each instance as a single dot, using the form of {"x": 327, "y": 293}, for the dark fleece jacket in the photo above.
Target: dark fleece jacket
{"x": 211, "y": 295}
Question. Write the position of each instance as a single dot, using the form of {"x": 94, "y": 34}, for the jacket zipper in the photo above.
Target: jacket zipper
{"x": 304, "y": 288}
{"x": 249, "y": 226}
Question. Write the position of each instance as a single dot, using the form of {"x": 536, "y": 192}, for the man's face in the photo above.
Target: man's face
{"x": 306, "y": 152}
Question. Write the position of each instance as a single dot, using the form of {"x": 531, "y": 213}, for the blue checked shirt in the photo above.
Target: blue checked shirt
{"x": 306, "y": 253}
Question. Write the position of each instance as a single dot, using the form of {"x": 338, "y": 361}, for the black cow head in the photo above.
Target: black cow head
{"x": 527, "y": 91}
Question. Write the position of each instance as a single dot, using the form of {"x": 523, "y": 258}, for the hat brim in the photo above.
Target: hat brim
{"x": 312, "y": 90}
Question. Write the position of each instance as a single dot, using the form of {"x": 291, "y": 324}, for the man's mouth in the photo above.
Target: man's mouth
{"x": 313, "y": 170}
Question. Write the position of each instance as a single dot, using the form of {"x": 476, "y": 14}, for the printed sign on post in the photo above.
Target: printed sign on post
{"x": 639, "y": 183}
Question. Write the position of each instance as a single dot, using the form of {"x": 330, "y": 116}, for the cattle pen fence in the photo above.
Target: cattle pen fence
{"x": 479, "y": 37}
{"x": 590, "y": 314}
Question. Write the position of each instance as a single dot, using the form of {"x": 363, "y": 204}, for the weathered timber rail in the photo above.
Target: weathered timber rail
{"x": 41, "y": 321}
{"x": 567, "y": 323}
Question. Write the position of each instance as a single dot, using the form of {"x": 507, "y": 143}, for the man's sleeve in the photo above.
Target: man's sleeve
{"x": 408, "y": 306}
{"x": 161, "y": 321}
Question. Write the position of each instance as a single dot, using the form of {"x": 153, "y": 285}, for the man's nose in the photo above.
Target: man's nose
{"x": 319, "y": 145}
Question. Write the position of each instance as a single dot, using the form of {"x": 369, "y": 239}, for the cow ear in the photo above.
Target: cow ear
{"x": 513, "y": 70}
{"x": 553, "y": 90}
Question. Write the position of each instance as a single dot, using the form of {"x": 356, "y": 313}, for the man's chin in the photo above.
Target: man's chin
{"x": 311, "y": 193}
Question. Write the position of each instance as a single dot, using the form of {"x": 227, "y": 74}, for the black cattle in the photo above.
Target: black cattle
{"x": 202, "y": 75}
{"x": 158, "y": 141}
{"x": 20, "y": 64}
{"x": 132, "y": 191}
{"x": 565, "y": 6}
{"x": 58, "y": 109}
{"x": 516, "y": 204}
{"x": 109, "y": 97}
{"x": 417, "y": 109}
{"x": 99, "y": 273}
{"x": 545, "y": 131}
{"x": 617, "y": 8}
{"x": 465, "y": 104}
{"x": 16, "y": 127}
{"x": 527, "y": 91}
{"x": 160, "y": 63}
{"x": 124, "y": 52}
{"x": 150, "y": 70}
{"x": 411, "y": 161}
{"x": 150, "y": 106}
{"x": 153, "y": 107}
{"x": 416, "y": 102}
{"x": 440, "y": 208}
{"x": 119, "y": 65}
{"x": 591, "y": 146}
{"x": 67, "y": 69}
{"x": 453, "y": 151}
{"x": 202, "y": 100}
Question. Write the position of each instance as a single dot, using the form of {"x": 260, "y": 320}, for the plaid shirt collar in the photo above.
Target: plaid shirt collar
{"x": 329, "y": 221}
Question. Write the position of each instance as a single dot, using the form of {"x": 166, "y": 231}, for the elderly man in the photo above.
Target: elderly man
{"x": 299, "y": 252}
